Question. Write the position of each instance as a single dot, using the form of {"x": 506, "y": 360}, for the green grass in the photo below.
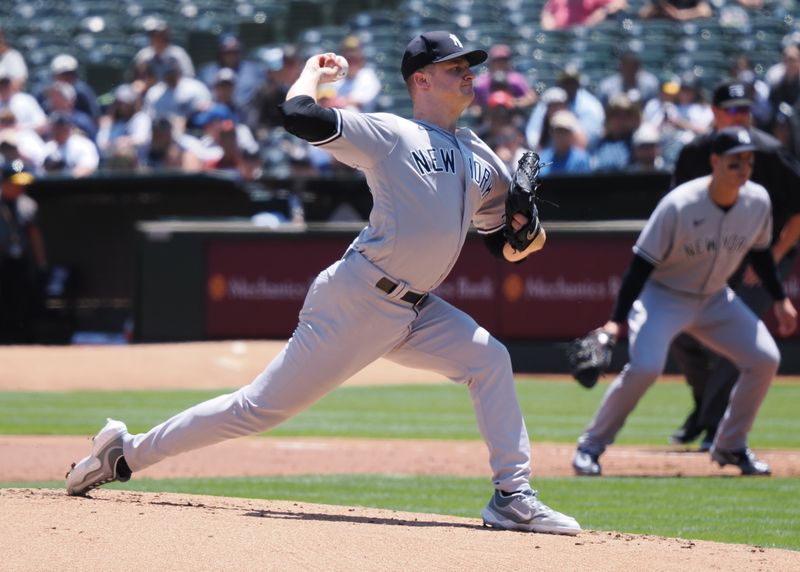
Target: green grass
{"x": 751, "y": 511}
{"x": 554, "y": 412}
{"x": 754, "y": 511}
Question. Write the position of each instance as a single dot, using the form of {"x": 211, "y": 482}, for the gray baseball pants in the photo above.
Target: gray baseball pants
{"x": 710, "y": 376}
{"x": 720, "y": 321}
{"x": 345, "y": 324}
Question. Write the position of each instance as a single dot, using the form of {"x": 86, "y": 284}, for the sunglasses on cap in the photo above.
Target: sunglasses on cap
{"x": 737, "y": 109}
{"x": 736, "y": 165}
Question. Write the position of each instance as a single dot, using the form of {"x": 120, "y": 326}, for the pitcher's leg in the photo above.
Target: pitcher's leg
{"x": 340, "y": 332}
{"x": 269, "y": 400}
{"x": 447, "y": 341}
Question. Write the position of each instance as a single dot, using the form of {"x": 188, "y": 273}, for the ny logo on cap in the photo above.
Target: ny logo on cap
{"x": 744, "y": 137}
{"x": 456, "y": 41}
{"x": 736, "y": 90}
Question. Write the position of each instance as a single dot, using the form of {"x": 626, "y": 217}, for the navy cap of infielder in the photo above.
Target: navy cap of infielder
{"x": 435, "y": 47}
{"x": 732, "y": 140}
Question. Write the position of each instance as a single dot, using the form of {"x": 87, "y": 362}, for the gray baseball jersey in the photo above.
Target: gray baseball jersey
{"x": 427, "y": 184}
{"x": 695, "y": 246}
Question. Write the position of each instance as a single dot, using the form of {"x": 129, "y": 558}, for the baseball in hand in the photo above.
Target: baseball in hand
{"x": 341, "y": 62}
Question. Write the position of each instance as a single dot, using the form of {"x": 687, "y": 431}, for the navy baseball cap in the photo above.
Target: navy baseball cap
{"x": 731, "y": 94}
{"x": 15, "y": 172}
{"x": 435, "y": 47}
{"x": 732, "y": 140}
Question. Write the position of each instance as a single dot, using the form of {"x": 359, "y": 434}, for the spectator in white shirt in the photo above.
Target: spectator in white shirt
{"x": 25, "y": 107}
{"x": 361, "y": 87}
{"x": 13, "y": 63}
{"x": 153, "y": 58}
{"x": 64, "y": 68}
{"x": 124, "y": 128}
{"x": 631, "y": 79}
{"x": 223, "y": 90}
{"x": 176, "y": 95}
{"x": 20, "y": 142}
{"x": 646, "y": 150}
{"x": 61, "y": 96}
{"x": 68, "y": 151}
{"x": 248, "y": 74}
{"x": 586, "y": 107}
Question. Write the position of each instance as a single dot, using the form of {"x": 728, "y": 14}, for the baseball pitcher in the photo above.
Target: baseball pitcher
{"x": 430, "y": 181}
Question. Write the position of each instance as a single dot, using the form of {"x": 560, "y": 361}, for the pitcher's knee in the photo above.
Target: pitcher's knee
{"x": 496, "y": 356}
{"x": 489, "y": 360}
{"x": 766, "y": 360}
{"x": 266, "y": 409}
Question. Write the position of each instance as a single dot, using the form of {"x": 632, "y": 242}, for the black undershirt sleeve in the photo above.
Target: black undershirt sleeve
{"x": 764, "y": 266}
{"x": 305, "y": 119}
{"x": 495, "y": 242}
{"x": 632, "y": 283}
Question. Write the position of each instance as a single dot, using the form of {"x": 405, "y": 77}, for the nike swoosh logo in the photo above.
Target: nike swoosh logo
{"x": 523, "y": 515}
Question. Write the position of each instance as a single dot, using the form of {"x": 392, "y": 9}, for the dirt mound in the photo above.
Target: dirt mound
{"x": 45, "y": 458}
{"x": 112, "y": 530}
{"x": 46, "y": 530}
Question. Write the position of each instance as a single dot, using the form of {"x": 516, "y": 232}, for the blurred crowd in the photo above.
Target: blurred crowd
{"x": 631, "y": 121}
{"x": 169, "y": 116}
{"x": 174, "y": 114}
{"x": 224, "y": 115}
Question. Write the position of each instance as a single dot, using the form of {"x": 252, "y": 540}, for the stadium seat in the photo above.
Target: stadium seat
{"x": 373, "y": 19}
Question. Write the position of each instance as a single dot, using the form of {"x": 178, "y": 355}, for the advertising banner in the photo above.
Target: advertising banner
{"x": 256, "y": 287}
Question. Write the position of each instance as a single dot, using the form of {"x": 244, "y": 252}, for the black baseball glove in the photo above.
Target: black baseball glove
{"x": 590, "y": 356}
{"x": 522, "y": 199}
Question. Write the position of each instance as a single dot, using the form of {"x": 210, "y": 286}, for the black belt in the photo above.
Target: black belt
{"x": 412, "y": 298}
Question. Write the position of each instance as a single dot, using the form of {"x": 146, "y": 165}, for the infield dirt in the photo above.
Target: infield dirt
{"x": 112, "y": 530}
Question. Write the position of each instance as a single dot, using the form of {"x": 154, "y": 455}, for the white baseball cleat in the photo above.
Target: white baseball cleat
{"x": 522, "y": 510}
{"x": 586, "y": 463}
{"x": 103, "y": 465}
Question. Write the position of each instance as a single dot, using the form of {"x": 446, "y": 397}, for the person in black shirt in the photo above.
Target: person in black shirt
{"x": 710, "y": 376}
{"x": 22, "y": 256}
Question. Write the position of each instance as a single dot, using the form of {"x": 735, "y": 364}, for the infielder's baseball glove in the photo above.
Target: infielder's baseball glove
{"x": 522, "y": 199}
{"x": 590, "y": 356}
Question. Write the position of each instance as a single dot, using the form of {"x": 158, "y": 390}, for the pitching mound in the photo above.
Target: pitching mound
{"x": 46, "y": 530}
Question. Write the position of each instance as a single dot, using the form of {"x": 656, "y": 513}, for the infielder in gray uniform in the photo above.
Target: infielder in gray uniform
{"x": 695, "y": 239}
{"x": 429, "y": 181}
